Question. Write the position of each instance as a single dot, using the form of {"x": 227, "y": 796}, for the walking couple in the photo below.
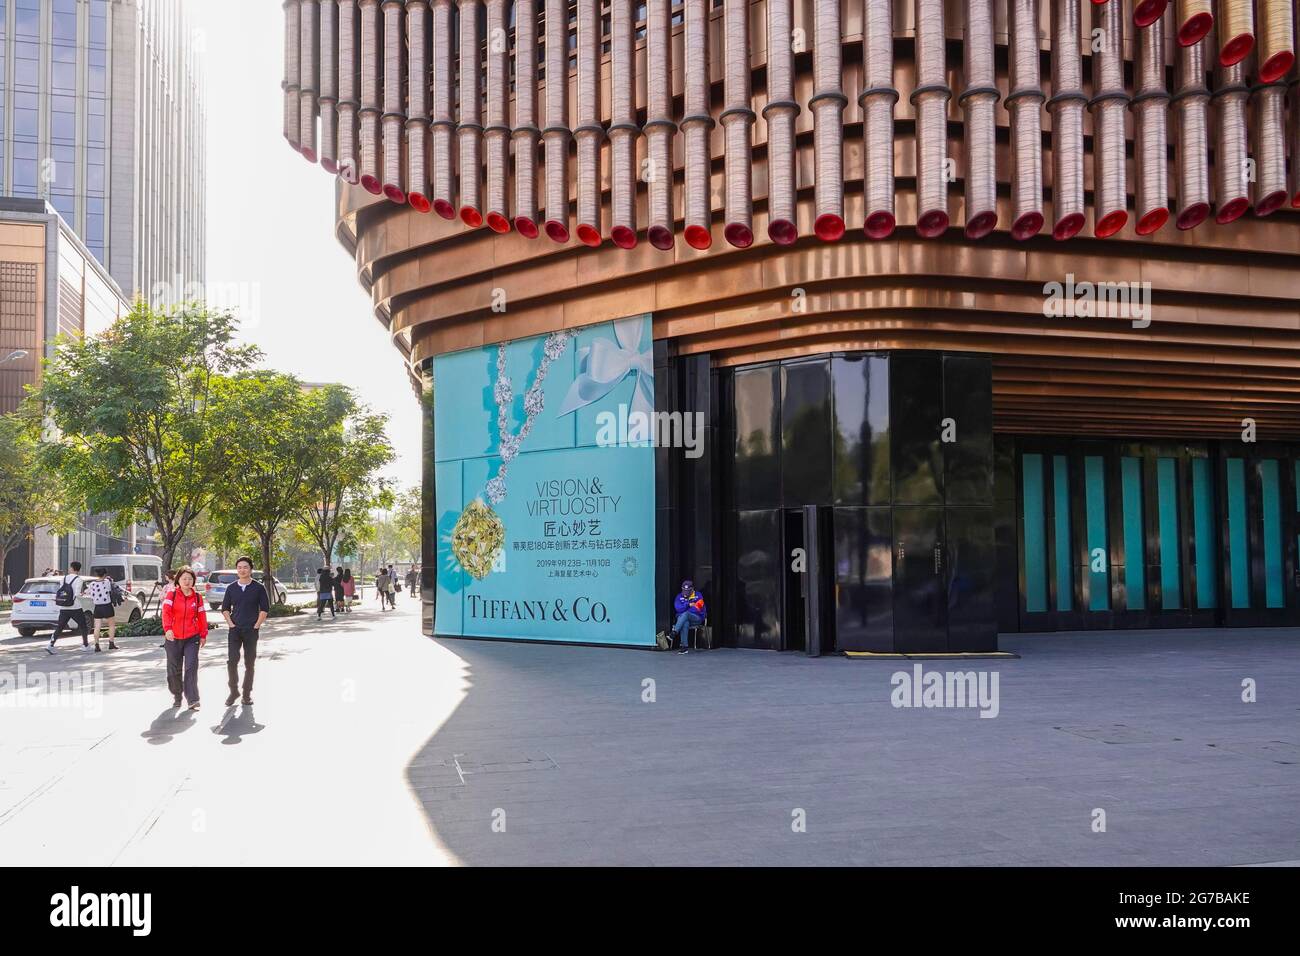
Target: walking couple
{"x": 185, "y": 624}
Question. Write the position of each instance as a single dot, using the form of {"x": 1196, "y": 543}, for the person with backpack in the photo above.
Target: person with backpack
{"x": 185, "y": 625}
{"x": 382, "y": 585}
{"x": 104, "y": 596}
{"x": 337, "y": 581}
{"x": 68, "y": 600}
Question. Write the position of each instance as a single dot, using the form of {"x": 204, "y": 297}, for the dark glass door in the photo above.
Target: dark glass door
{"x": 794, "y": 557}
{"x": 920, "y": 597}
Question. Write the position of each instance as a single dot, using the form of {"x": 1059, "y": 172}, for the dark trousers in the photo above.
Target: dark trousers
{"x": 183, "y": 659}
{"x": 324, "y": 601}
{"x": 245, "y": 639}
{"x": 76, "y": 615}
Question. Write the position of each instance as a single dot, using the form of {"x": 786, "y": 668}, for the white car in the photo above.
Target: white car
{"x": 34, "y": 608}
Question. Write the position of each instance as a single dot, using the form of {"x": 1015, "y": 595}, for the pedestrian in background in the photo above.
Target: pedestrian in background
{"x": 245, "y": 608}
{"x": 412, "y": 580}
{"x": 324, "y": 592}
{"x": 185, "y": 627}
{"x": 101, "y": 591}
{"x": 382, "y": 584}
{"x": 68, "y": 600}
{"x": 337, "y": 581}
{"x": 349, "y": 589}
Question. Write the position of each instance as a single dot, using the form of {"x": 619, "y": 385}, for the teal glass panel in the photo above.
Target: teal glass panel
{"x": 1035, "y": 535}
{"x": 1270, "y": 496}
{"x": 1094, "y": 494}
{"x": 1207, "y": 538}
{"x": 1171, "y": 588}
{"x": 1135, "y": 578}
{"x": 1061, "y": 527}
{"x": 1238, "y": 568}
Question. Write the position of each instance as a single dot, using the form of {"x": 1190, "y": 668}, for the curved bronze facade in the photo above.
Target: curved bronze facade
{"x": 1161, "y": 165}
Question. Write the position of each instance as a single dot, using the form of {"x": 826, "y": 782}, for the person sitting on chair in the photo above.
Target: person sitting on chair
{"x": 690, "y": 611}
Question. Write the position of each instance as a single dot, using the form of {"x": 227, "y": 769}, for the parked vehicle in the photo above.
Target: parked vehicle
{"x": 215, "y": 587}
{"x": 134, "y": 573}
{"x": 34, "y": 608}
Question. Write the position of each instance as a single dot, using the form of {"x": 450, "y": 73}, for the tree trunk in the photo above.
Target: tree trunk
{"x": 268, "y": 579}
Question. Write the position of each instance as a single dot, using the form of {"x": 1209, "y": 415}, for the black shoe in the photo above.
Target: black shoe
{"x": 247, "y": 701}
{"x": 176, "y": 700}
{"x": 97, "y": 647}
{"x": 683, "y": 649}
{"x": 231, "y": 698}
{"x": 85, "y": 643}
{"x": 112, "y": 646}
{"x": 49, "y": 648}
{"x": 194, "y": 706}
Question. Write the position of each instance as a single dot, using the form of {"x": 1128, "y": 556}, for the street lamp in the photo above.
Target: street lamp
{"x": 14, "y": 356}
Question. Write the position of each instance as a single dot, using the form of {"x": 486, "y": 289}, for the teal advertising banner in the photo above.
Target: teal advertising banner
{"x": 546, "y": 526}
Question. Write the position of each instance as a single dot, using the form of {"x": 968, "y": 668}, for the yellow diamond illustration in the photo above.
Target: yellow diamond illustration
{"x": 477, "y": 539}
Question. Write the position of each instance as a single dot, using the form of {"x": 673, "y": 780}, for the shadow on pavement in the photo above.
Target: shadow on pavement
{"x": 168, "y": 724}
{"x": 236, "y": 723}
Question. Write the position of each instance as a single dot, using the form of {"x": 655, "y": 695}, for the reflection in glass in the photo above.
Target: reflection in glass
{"x": 968, "y": 460}
{"x": 758, "y": 479}
{"x": 805, "y": 434}
{"x": 916, "y": 401}
{"x": 864, "y": 619}
{"x": 758, "y": 579}
{"x": 861, "y": 436}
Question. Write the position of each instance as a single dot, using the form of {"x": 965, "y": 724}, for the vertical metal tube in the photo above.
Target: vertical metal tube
{"x": 696, "y": 123}
{"x": 292, "y": 101}
{"x": 1293, "y": 138}
{"x": 417, "y": 105}
{"x": 659, "y": 124}
{"x": 394, "y": 119}
{"x": 1194, "y": 20}
{"x": 371, "y": 66}
{"x": 308, "y": 78}
{"x": 1066, "y": 106}
{"x": 496, "y": 133}
{"x": 469, "y": 125}
{"x": 827, "y": 104}
{"x": 1191, "y": 105}
{"x": 1109, "y": 104}
{"x": 1268, "y": 129}
{"x": 930, "y": 100}
{"x": 977, "y": 101}
{"x": 329, "y": 84}
{"x": 1276, "y": 39}
{"x": 737, "y": 119}
{"x": 780, "y": 111}
{"x": 877, "y": 100}
{"x": 1025, "y": 104}
{"x": 1235, "y": 22}
{"x": 555, "y": 134}
{"x": 526, "y": 133}
{"x": 1231, "y": 199}
{"x": 590, "y": 132}
{"x": 1151, "y": 139}
{"x": 349, "y": 91}
{"x": 623, "y": 129}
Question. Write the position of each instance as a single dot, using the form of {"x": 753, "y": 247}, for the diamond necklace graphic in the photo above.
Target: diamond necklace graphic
{"x": 479, "y": 534}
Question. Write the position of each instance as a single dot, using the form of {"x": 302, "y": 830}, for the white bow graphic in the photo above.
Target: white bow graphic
{"x": 604, "y": 364}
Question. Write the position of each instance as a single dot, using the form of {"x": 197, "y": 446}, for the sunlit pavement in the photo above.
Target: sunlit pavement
{"x": 371, "y": 744}
{"x": 312, "y": 773}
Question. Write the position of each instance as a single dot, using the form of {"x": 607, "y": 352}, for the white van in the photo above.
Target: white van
{"x": 138, "y": 574}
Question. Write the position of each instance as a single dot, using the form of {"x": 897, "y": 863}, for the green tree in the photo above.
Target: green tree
{"x": 273, "y": 443}
{"x": 30, "y": 497}
{"x": 343, "y": 488}
{"x": 398, "y": 530}
{"x": 138, "y": 430}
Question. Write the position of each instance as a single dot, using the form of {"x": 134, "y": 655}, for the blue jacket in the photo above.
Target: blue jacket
{"x": 694, "y": 604}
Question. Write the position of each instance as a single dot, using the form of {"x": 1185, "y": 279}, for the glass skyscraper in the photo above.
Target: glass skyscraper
{"x": 101, "y": 114}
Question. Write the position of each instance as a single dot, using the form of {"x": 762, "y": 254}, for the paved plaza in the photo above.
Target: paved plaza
{"x": 370, "y": 744}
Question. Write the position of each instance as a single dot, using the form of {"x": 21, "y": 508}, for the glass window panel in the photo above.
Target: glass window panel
{"x": 1094, "y": 492}
{"x": 805, "y": 434}
{"x": 968, "y": 461}
{"x": 916, "y": 402}
{"x": 758, "y": 579}
{"x": 1270, "y": 500}
{"x": 1061, "y": 533}
{"x": 1238, "y": 558}
{"x": 1207, "y": 547}
{"x": 1134, "y": 536}
{"x": 1035, "y": 534}
{"x": 758, "y": 479}
{"x": 861, "y": 437}
{"x": 1171, "y": 589}
{"x": 863, "y": 579}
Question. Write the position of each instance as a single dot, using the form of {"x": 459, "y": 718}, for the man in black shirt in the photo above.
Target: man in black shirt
{"x": 245, "y": 608}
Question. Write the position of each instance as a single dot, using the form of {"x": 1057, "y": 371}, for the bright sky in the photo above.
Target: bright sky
{"x": 271, "y": 229}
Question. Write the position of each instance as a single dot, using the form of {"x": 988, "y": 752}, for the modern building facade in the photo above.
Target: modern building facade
{"x": 101, "y": 114}
{"x": 51, "y": 284}
{"x": 987, "y": 310}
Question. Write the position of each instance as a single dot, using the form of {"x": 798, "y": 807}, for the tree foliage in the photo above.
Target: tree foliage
{"x": 30, "y": 496}
{"x": 139, "y": 431}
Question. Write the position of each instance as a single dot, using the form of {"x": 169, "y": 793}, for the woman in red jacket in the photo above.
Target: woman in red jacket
{"x": 185, "y": 621}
